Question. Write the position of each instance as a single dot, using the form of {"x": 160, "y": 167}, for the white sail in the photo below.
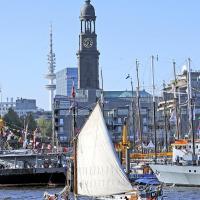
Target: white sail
{"x": 98, "y": 168}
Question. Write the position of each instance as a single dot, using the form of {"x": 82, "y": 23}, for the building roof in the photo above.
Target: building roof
{"x": 125, "y": 94}
{"x": 87, "y": 11}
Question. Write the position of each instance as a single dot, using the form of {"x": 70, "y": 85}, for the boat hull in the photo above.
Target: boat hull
{"x": 177, "y": 175}
{"x": 32, "y": 177}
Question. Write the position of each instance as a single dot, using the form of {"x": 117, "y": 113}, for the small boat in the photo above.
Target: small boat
{"x": 98, "y": 173}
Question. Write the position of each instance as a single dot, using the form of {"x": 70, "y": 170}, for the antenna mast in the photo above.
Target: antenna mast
{"x": 51, "y": 76}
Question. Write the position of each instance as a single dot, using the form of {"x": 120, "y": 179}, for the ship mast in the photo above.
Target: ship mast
{"x": 154, "y": 109}
{"x": 176, "y": 102}
{"x": 74, "y": 141}
{"x": 190, "y": 108}
{"x": 102, "y": 95}
{"x": 165, "y": 118}
{"x": 1, "y": 107}
{"x": 138, "y": 106}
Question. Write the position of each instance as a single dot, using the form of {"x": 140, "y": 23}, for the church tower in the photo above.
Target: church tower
{"x": 88, "y": 55}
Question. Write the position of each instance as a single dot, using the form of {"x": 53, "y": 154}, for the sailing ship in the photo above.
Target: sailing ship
{"x": 97, "y": 171}
{"x": 182, "y": 171}
{"x": 185, "y": 168}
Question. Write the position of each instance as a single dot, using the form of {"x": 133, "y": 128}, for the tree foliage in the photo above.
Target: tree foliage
{"x": 12, "y": 120}
{"x": 45, "y": 126}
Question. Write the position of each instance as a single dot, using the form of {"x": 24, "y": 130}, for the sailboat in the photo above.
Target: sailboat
{"x": 97, "y": 171}
{"x": 185, "y": 169}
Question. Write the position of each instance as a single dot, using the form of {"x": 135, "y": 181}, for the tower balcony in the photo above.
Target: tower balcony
{"x": 50, "y": 87}
{"x": 50, "y": 76}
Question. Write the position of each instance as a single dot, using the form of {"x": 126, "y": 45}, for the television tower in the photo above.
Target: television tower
{"x": 51, "y": 76}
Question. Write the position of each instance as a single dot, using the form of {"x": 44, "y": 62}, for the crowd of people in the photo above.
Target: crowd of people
{"x": 20, "y": 138}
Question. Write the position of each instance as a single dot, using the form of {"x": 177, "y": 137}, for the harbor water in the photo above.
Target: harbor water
{"x": 171, "y": 193}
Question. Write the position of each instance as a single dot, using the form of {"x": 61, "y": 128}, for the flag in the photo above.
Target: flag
{"x": 73, "y": 90}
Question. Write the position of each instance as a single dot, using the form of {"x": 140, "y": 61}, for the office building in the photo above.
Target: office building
{"x": 65, "y": 79}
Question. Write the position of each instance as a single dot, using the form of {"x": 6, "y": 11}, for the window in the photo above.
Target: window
{"x": 119, "y": 120}
{"x": 144, "y": 120}
{"x": 61, "y": 121}
{"x": 61, "y": 129}
{"x": 145, "y": 129}
{"x": 119, "y": 129}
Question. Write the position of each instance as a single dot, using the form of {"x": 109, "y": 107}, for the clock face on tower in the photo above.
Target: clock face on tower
{"x": 87, "y": 42}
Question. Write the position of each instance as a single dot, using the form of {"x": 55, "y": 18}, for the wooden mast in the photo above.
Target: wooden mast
{"x": 165, "y": 117}
{"x": 154, "y": 109}
{"x": 176, "y": 102}
{"x": 74, "y": 142}
{"x": 190, "y": 105}
{"x": 138, "y": 107}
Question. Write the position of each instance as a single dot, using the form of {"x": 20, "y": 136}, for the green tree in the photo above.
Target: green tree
{"x": 12, "y": 120}
{"x": 45, "y": 127}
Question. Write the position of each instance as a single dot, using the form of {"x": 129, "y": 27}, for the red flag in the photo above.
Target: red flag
{"x": 73, "y": 90}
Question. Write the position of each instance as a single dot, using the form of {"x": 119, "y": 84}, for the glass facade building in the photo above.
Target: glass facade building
{"x": 64, "y": 81}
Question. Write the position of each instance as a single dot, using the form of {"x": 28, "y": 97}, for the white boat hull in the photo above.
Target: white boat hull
{"x": 177, "y": 175}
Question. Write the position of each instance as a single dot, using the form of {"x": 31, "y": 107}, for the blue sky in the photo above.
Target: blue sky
{"x": 127, "y": 29}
